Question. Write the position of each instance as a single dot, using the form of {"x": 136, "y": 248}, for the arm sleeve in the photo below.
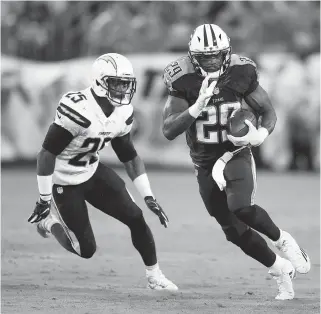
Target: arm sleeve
{"x": 124, "y": 148}
{"x": 57, "y": 139}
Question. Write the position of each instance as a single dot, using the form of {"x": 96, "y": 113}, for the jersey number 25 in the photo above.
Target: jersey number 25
{"x": 95, "y": 144}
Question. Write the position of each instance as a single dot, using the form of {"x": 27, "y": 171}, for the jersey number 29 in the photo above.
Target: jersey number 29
{"x": 210, "y": 126}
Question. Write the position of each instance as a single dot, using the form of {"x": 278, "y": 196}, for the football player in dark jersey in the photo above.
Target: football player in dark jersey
{"x": 205, "y": 87}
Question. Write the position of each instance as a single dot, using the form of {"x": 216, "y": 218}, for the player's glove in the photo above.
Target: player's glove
{"x": 254, "y": 136}
{"x": 40, "y": 212}
{"x": 218, "y": 170}
{"x": 157, "y": 210}
{"x": 205, "y": 94}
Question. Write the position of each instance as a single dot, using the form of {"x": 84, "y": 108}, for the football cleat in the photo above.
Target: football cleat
{"x": 284, "y": 281}
{"x": 291, "y": 250}
{"x": 159, "y": 282}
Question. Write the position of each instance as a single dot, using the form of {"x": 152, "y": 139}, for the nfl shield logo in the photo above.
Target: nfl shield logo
{"x": 59, "y": 190}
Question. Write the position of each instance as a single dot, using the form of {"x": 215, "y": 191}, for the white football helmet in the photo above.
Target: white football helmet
{"x": 113, "y": 77}
{"x": 210, "y": 49}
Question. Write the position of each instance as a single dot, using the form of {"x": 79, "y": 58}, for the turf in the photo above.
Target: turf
{"x": 214, "y": 276}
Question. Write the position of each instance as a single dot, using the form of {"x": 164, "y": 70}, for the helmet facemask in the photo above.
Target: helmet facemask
{"x": 211, "y": 61}
{"x": 119, "y": 90}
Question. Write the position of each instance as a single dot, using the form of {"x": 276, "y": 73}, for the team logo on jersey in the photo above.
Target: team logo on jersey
{"x": 105, "y": 133}
{"x": 60, "y": 190}
{"x": 218, "y": 99}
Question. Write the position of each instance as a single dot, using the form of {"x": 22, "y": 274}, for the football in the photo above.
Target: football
{"x": 236, "y": 125}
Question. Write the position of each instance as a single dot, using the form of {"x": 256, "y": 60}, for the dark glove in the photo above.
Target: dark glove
{"x": 40, "y": 212}
{"x": 157, "y": 210}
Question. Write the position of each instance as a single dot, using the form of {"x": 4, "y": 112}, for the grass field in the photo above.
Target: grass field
{"x": 213, "y": 275}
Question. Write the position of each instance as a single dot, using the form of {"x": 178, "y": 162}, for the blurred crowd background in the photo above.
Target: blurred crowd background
{"x": 287, "y": 32}
{"x": 60, "y": 30}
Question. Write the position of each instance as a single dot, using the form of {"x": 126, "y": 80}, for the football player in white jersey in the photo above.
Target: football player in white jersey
{"x": 69, "y": 172}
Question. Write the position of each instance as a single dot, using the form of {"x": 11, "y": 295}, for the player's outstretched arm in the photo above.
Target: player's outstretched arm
{"x": 178, "y": 116}
{"x": 56, "y": 140}
{"x": 135, "y": 168}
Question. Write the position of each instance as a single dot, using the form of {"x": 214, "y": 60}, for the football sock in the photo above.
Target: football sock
{"x": 152, "y": 270}
{"x": 278, "y": 264}
{"x": 257, "y": 218}
{"x": 255, "y": 246}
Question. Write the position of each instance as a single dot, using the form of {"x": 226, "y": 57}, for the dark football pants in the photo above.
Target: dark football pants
{"x": 106, "y": 191}
{"x": 240, "y": 189}
{"x": 234, "y": 209}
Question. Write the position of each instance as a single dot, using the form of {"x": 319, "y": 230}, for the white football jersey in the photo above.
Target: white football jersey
{"x": 80, "y": 114}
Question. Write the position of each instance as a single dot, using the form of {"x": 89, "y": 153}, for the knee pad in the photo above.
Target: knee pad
{"x": 251, "y": 215}
{"x": 245, "y": 212}
{"x": 234, "y": 233}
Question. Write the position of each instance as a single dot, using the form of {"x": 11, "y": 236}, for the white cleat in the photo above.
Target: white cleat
{"x": 291, "y": 250}
{"x": 284, "y": 281}
{"x": 159, "y": 282}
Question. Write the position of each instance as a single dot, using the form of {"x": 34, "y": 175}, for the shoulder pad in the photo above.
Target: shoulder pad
{"x": 240, "y": 60}
{"x": 71, "y": 106}
{"x": 177, "y": 69}
{"x": 76, "y": 100}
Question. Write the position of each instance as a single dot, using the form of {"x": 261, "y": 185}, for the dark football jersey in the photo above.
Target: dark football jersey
{"x": 207, "y": 136}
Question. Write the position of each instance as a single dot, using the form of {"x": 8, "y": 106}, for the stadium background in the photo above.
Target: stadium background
{"x": 47, "y": 49}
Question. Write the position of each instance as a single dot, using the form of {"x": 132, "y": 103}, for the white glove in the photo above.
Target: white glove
{"x": 218, "y": 170}
{"x": 254, "y": 136}
{"x": 204, "y": 96}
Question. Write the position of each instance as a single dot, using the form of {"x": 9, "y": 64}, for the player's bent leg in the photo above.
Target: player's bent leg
{"x": 74, "y": 231}
{"x": 258, "y": 219}
{"x": 143, "y": 241}
{"x": 240, "y": 174}
{"x": 240, "y": 234}
{"x": 236, "y": 231}
{"x": 109, "y": 194}
{"x": 250, "y": 242}
{"x": 255, "y": 246}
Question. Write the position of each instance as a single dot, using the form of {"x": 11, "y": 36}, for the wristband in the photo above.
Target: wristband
{"x": 143, "y": 186}
{"x": 45, "y": 187}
